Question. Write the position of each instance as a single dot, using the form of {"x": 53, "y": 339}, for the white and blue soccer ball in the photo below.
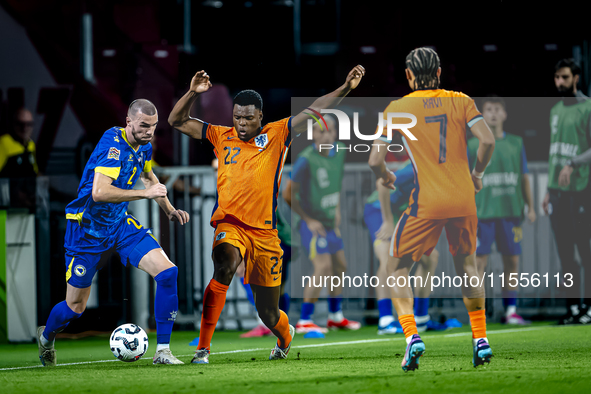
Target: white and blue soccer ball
{"x": 129, "y": 342}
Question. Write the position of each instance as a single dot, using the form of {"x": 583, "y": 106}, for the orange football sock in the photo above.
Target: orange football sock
{"x": 214, "y": 300}
{"x": 478, "y": 323}
{"x": 281, "y": 331}
{"x": 409, "y": 325}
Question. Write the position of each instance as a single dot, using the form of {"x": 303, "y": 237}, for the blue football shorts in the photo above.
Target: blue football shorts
{"x": 314, "y": 246}
{"x": 86, "y": 254}
{"x": 505, "y": 231}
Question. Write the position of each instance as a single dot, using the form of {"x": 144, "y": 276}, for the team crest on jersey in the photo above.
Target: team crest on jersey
{"x": 261, "y": 140}
{"x": 79, "y": 270}
{"x": 221, "y": 235}
{"x": 113, "y": 153}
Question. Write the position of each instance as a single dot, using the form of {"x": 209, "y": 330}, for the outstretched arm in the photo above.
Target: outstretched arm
{"x": 179, "y": 117}
{"x": 331, "y": 100}
{"x": 150, "y": 180}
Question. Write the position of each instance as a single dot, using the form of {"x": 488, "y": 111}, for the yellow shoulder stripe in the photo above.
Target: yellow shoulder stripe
{"x": 111, "y": 172}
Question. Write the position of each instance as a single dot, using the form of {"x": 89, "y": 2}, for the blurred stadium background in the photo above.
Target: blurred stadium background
{"x": 77, "y": 65}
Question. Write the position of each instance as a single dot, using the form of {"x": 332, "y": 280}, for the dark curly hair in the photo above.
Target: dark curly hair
{"x": 249, "y": 97}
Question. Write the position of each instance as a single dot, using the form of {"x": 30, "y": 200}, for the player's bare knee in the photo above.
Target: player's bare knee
{"x": 224, "y": 273}
{"x": 322, "y": 270}
{"x": 339, "y": 267}
{"x": 322, "y": 266}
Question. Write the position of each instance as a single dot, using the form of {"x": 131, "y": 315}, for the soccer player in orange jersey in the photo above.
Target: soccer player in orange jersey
{"x": 251, "y": 158}
{"x": 443, "y": 195}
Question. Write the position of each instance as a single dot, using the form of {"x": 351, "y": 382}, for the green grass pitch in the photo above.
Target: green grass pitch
{"x": 537, "y": 359}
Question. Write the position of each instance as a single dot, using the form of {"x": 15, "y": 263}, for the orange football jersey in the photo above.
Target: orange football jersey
{"x": 444, "y": 187}
{"x": 249, "y": 173}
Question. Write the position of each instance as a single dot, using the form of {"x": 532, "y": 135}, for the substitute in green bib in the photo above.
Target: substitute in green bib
{"x": 316, "y": 181}
{"x": 500, "y": 203}
{"x": 568, "y": 201}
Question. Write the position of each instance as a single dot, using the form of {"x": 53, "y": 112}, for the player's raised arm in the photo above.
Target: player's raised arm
{"x": 176, "y": 215}
{"x": 179, "y": 117}
{"x": 331, "y": 100}
{"x": 486, "y": 148}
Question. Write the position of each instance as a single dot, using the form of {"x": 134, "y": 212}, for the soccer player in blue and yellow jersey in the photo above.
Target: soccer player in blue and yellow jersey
{"x": 443, "y": 195}
{"x": 251, "y": 158}
{"x": 98, "y": 224}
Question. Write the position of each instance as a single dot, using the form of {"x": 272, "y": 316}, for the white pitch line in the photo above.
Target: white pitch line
{"x": 459, "y": 334}
{"x": 59, "y": 365}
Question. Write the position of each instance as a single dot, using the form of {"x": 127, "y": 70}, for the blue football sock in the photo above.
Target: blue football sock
{"x": 166, "y": 304}
{"x": 334, "y": 304}
{"x": 421, "y": 306}
{"x": 307, "y": 311}
{"x": 284, "y": 302}
{"x": 385, "y": 307}
{"x": 248, "y": 291}
{"x": 61, "y": 315}
{"x": 509, "y": 298}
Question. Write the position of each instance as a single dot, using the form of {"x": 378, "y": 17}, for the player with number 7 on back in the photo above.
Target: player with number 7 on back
{"x": 444, "y": 193}
{"x": 251, "y": 158}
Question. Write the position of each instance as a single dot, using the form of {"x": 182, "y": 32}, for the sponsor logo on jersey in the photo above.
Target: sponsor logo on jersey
{"x": 221, "y": 235}
{"x": 79, "y": 270}
{"x": 113, "y": 153}
{"x": 261, "y": 140}
{"x": 130, "y": 157}
{"x": 116, "y": 139}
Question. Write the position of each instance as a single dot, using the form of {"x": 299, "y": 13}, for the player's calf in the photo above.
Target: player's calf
{"x": 58, "y": 320}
